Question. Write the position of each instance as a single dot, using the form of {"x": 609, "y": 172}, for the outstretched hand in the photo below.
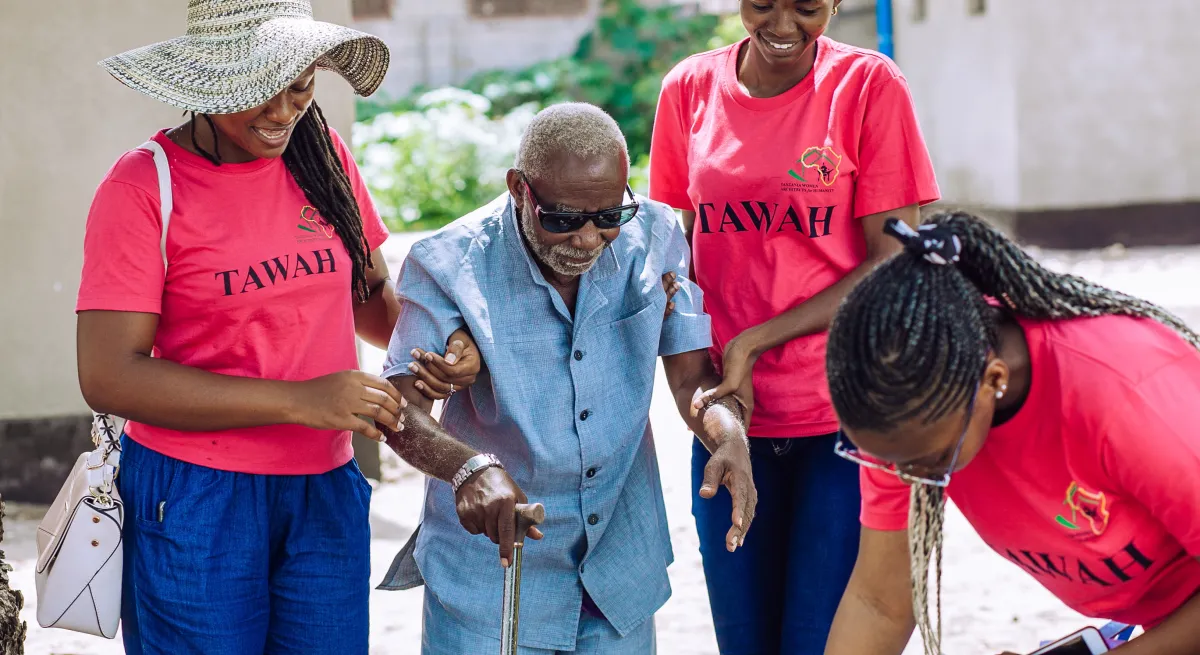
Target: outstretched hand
{"x": 730, "y": 466}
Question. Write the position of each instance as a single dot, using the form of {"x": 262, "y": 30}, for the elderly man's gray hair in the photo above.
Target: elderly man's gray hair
{"x": 575, "y": 127}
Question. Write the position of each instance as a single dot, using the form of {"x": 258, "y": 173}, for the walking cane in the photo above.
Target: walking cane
{"x": 527, "y": 517}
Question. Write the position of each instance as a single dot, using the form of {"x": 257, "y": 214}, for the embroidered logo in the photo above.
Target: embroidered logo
{"x": 311, "y": 221}
{"x": 1092, "y": 507}
{"x": 821, "y": 160}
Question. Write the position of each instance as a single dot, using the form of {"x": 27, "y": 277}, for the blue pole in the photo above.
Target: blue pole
{"x": 883, "y": 24}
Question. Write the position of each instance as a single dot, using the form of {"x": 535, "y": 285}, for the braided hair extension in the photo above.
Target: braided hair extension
{"x": 313, "y": 161}
{"x": 215, "y": 158}
{"x": 925, "y": 518}
{"x": 314, "y": 164}
{"x": 911, "y": 340}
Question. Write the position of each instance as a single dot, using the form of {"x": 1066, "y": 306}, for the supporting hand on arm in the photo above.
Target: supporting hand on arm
{"x": 438, "y": 376}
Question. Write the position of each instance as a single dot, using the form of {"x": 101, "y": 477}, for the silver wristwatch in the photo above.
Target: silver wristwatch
{"x": 476, "y": 463}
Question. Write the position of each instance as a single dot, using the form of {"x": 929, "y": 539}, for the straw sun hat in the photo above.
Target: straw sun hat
{"x": 238, "y": 54}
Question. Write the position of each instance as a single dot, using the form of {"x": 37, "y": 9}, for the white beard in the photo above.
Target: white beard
{"x": 560, "y": 258}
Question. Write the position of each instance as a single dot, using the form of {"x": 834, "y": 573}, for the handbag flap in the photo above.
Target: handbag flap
{"x": 54, "y": 523}
{"x": 91, "y": 538}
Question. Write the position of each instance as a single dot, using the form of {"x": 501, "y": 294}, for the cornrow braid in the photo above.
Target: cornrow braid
{"x": 912, "y": 338}
{"x": 313, "y": 162}
{"x": 911, "y": 341}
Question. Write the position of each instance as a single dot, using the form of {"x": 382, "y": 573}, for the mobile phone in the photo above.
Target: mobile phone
{"x": 1087, "y": 641}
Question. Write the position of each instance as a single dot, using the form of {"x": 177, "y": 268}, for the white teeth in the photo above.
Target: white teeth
{"x": 779, "y": 46}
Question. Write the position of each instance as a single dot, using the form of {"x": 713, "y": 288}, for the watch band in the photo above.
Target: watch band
{"x": 469, "y": 467}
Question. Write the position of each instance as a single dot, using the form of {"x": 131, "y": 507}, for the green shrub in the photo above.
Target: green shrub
{"x": 436, "y": 155}
{"x": 442, "y": 159}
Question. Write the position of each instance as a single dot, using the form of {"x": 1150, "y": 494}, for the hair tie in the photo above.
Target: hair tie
{"x": 933, "y": 243}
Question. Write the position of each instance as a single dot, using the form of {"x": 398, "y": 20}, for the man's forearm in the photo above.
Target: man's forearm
{"x": 713, "y": 425}
{"x": 423, "y": 442}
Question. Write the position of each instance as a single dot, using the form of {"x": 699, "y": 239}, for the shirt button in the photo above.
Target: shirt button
{"x": 591, "y": 473}
{"x": 578, "y": 355}
{"x": 583, "y": 416}
{"x": 593, "y": 519}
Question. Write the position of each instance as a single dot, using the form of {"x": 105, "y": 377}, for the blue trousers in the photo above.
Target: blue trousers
{"x": 222, "y": 563}
{"x": 778, "y": 593}
{"x": 442, "y": 634}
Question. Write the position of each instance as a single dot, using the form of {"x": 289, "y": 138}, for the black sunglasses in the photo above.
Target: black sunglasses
{"x": 563, "y": 222}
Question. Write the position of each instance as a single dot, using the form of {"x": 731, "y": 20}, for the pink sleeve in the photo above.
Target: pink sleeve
{"x": 122, "y": 253}
{"x": 884, "y": 500}
{"x": 1151, "y": 447}
{"x": 373, "y": 226}
{"x": 669, "y": 150}
{"x": 894, "y": 169}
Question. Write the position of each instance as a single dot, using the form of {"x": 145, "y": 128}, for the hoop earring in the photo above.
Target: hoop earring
{"x": 835, "y": 10}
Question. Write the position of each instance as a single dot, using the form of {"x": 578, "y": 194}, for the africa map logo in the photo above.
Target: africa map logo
{"x": 819, "y": 159}
{"x": 311, "y": 221}
{"x": 1092, "y": 507}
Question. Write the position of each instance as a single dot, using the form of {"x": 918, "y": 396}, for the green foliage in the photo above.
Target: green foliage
{"x": 618, "y": 66}
{"x": 436, "y": 155}
{"x": 443, "y": 159}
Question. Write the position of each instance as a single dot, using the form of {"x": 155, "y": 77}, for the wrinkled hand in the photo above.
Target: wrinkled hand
{"x": 487, "y": 503}
{"x": 350, "y": 400}
{"x": 435, "y": 374}
{"x": 737, "y": 366}
{"x": 672, "y": 287}
{"x": 730, "y": 466}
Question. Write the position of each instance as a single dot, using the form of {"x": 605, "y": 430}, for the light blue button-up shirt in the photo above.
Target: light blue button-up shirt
{"x": 564, "y": 403}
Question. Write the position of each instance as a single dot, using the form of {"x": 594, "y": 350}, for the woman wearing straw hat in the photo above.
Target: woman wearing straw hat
{"x": 230, "y": 343}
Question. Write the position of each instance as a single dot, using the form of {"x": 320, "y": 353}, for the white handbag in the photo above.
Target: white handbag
{"x": 79, "y": 541}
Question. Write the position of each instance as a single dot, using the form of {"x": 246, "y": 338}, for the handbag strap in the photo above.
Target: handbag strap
{"x": 105, "y": 460}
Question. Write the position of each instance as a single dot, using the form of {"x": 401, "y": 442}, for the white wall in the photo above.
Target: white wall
{"x": 1109, "y": 108}
{"x": 63, "y": 122}
{"x": 436, "y": 43}
{"x": 1057, "y": 105}
{"x": 962, "y": 73}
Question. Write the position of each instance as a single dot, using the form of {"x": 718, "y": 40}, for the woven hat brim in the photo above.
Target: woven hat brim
{"x": 228, "y": 74}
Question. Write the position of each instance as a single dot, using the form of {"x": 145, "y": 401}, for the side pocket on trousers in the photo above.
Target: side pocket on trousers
{"x": 152, "y": 488}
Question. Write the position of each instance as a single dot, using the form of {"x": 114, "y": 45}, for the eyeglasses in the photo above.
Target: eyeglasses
{"x": 563, "y": 222}
{"x": 907, "y": 472}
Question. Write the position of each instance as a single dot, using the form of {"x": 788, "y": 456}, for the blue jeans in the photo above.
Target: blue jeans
{"x": 778, "y": 593}
{"x": 223, "y": 563}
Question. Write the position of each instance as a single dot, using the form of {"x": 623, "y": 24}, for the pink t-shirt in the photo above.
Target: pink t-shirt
{"x": 1094, "y": 486}
{"x": 779, "y": 185}
{"x": 258, "y": 285}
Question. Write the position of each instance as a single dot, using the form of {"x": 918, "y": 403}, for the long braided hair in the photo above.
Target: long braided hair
{"x": 912, "y": 339}
{"x": 313, "y": 161}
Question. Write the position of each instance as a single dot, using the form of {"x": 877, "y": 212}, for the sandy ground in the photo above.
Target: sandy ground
{"x": 989, "y": 604}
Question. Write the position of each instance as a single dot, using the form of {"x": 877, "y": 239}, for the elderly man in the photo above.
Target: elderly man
{"x": 559, "y": 283}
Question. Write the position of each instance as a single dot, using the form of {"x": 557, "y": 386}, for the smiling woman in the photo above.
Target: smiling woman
{"x": 785, "y": 152}
{"x": 228, "y": 340}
